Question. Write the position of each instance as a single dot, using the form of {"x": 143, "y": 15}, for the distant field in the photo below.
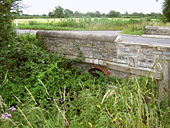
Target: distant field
{"x": 26, "y": 21}
{"x": 46, "y": 20}
{"x": 134, "y": 26}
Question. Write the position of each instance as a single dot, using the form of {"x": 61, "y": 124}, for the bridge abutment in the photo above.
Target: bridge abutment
{"x": 163, "y": 85}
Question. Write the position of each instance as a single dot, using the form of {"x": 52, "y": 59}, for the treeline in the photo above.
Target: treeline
{"x": 60, "y": 12}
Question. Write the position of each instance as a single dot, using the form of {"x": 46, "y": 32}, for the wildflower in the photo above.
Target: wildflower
{"x": 12, "y": 109}
{"x": 6, "y": 115}
{"x": 54, "y": 100}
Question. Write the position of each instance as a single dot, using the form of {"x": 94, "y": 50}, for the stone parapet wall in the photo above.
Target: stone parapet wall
{"x": 88, "y": 45}
{"x": 141, "y": 55}
{"x": 100, "y": 49}
{"x": 157, "y": 30}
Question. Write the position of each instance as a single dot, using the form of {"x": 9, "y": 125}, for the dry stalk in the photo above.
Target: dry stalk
{"x": 25, "y": 117}
{"x": 44, "y": 87}
{"x": 31, "y": 96}
{"x": 63, "y": 115}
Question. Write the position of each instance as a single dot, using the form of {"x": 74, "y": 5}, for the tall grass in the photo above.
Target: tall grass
{"x": 121, "y": 104}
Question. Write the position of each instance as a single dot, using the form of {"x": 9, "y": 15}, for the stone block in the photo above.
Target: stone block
{"x": 157, "y": 30}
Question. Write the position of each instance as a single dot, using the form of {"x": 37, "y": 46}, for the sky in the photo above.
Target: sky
{"x": 104, "y": 6}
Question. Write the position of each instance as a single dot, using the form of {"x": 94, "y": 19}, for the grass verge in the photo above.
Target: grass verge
{"x": 45, "y": 27}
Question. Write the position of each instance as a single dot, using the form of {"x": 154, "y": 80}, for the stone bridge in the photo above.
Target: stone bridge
{"x": 112, "y": 56}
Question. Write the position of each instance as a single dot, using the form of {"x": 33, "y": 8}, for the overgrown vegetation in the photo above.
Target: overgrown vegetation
{"x": 46, "y": 92}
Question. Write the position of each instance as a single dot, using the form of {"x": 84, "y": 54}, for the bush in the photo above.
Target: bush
{"x": 23, "y": 59}
{"x": 33, "y": 23}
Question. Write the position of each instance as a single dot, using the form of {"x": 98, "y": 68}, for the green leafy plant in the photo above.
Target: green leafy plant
{"x": 46, "y": 92}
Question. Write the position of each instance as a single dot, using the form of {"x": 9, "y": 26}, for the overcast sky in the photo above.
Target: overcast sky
{"x": 104, "y": 6}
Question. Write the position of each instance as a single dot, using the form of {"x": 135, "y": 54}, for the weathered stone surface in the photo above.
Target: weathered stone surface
{"x": 157, "y": 30}
{"x": 134, "y": 70}
{"x": 54, "y": 34}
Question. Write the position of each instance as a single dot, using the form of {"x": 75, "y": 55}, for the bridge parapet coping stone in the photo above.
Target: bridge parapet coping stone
{"x": 69, "y": 35}
{"x": 157, "y": 30}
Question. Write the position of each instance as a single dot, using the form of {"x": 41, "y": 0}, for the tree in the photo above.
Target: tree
{"x": 77, "y": 14}
{"x": 91, "y": 14}
{"x": 8, "y": 9}
{"x": 97, "y": 14}
{"x": 166, "y": 9}
{"x": 51, "y": 14}
{"x": 126, "y": 14}
{"x": 114, "y": 14}
{"x": 44, "y": 15}
{"x": 68, "y": 13}
{"x": 59, "y": 12}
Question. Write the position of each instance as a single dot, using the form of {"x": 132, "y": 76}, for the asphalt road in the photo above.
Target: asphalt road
{"x": 125, "y": 38}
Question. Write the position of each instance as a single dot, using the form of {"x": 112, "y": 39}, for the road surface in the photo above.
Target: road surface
{"x": 125, "y": 38}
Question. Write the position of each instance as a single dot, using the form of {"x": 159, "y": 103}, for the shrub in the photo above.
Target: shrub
{"x": 33, "y": 23}
{"x": 23, "y": 59}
